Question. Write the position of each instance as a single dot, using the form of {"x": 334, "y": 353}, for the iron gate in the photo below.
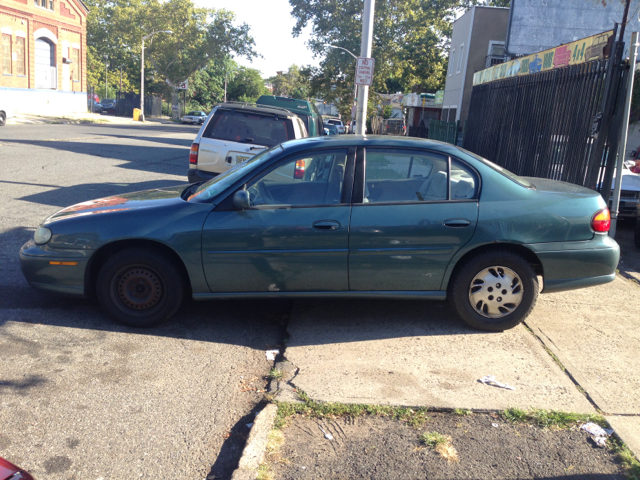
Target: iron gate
{"x": 126, "y": 102}
{"x": 559, "y": 124}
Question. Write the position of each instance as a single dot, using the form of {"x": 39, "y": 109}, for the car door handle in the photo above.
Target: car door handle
{"x": 325, "y": 225}
{"x": 457, "y": 223}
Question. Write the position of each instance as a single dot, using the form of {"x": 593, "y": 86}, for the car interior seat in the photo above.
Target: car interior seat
{"x": 434, "y": 187}
{"x": 334, "y": 189}
{"x": 462, "y": 189}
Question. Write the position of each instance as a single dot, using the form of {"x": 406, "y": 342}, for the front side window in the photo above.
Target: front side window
{"x": 6, "y": 54}
{"x": 302, "y": 181}
{"x": 460, "y": 58}
{"x": 452, "y": 61}
{"x": 248, "y": 127}
{"x": 20, "y": 58}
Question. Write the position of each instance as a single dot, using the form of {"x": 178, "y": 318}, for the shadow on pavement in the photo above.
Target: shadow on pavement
{"x": 65, "y": 196}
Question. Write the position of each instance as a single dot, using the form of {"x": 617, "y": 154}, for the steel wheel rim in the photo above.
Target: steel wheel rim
{"x": 139, "y": 288}
{"x": 495, "y": 292}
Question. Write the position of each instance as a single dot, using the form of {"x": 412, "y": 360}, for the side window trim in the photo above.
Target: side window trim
{"x": 296, "y": 156}
{"x": 357, "y": 197}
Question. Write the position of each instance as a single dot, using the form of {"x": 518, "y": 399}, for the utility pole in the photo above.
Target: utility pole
{"x": 365, "y": 51}
{"x": 622, "y": 146}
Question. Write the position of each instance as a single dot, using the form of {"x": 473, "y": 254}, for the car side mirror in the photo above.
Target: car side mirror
{"x": 241, "y": 200}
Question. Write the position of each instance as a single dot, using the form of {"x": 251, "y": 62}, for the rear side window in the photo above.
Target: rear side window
{"x": 305, "y": 120}
{"x": 249, "y": 127}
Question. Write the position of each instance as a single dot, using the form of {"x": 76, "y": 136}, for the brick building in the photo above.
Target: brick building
{"x": 43, "y": 55}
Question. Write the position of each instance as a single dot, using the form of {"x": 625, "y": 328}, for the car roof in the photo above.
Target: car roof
{"x": 250, "y": 107}
{"x": 287, "y": 103}
{"x": 388, "y": 141}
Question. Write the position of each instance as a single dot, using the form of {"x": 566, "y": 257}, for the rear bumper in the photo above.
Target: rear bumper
{"x": 571, "y": 265}
{"x": 196, "y": 176}
{"x": 41, "y": 274}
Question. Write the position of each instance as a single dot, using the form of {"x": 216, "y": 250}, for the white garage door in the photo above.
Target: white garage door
{"x": 46, "y": 72}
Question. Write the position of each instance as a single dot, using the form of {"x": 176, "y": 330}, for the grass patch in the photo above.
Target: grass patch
{"x": 462, "y": 412}
{"x": 441, "y": 444}
{"x": 415, "y": 417}
{"x": 275, "y": 374}
{"x": 551, "y": 418}
{"x": 628, "y": 460}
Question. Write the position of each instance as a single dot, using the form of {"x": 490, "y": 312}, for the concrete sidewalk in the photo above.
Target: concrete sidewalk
{"x": 78, "y": 118}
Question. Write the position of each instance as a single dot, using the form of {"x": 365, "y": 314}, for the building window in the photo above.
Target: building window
{"x": 75, "y": 66}
{"x": 48, "y": 4}
{"x": 6, "y": 54}
{"x": 20, "y": 58}
{"x": 460, "y": 58}
{"x": 452, "y": 61}
{"x": 496, "y": 54}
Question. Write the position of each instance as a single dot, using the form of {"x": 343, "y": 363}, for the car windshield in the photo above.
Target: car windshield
{"x": 223, "y": 181}
{"x": 195, "y": 114}
{"x": 503, "y": 171}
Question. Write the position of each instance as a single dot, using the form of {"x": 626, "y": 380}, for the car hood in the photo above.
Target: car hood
{"x": 119, "y": 203}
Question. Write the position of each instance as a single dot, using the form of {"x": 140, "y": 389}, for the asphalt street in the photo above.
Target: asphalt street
{"x": 83, "y": 398}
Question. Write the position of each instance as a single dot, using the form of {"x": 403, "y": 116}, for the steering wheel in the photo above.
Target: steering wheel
{"x": 260, "y": 195}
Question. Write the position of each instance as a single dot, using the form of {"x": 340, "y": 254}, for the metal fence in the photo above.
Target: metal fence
{"x": 558, "y": 124}
{"x": 126, "y": 102}
{"x": 443, "y": 131}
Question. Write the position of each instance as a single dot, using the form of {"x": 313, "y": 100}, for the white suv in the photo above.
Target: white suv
{"x": 338, "y": 123}
{"x": 235, "y": 132}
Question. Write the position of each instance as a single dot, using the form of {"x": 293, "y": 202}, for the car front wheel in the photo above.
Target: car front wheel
{"x": 140, "y": 288}
{"x": 3, "y": 119}
{"x": 494, "y": 291}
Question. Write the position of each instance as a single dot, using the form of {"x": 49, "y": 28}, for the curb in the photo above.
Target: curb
{"x": 254, "y": 450}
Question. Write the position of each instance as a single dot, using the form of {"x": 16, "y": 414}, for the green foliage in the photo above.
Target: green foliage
{"x": 246, "y": 86}
{"x": 200, "y": 35}
{"x": 551, "y": 418}
{"x": 387, "y": 111}
{"x": 462, "y": 412}
{"x": 293, "y": 83}
{"x": 627, "y": 458}
{"x": 433, "y": 439}
{"x": 410, "y": 44}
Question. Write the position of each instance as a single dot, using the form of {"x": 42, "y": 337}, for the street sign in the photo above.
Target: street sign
{"x": 183, "y": 85}
{"x": 364, "y": 71}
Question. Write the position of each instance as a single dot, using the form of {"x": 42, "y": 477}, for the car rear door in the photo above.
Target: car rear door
{"x": 412, "y": 211}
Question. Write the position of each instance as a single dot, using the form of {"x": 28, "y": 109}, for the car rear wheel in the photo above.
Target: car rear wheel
{"x": 495, "y": 290}
{"x": 636, "y": 234}
{"x": 140, "y": 288}
{"x": 3, "y": 119}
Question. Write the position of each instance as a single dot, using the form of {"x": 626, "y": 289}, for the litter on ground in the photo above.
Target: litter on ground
{"x": 491, "y": 380}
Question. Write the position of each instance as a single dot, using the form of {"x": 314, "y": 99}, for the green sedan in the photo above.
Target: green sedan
{"x": 352, "y": 216}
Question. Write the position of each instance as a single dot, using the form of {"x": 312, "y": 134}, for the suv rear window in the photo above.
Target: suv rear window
{"x": 249, "y": 127}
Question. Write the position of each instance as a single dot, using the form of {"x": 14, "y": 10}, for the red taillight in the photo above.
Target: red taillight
{"x": 193, "y": 154}
{"x": 299, "y": 170}
{"x": 601, "y": 221}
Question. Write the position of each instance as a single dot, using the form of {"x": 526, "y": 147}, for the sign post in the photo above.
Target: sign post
{"x": 365, "y": 54}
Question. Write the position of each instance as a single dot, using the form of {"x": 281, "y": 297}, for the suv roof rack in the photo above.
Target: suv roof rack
{"x": 255, "y": 105}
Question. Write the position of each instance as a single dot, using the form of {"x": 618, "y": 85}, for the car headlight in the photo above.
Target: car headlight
{"x": 42, "y": 235}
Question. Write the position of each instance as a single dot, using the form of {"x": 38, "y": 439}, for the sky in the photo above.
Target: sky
{"x": 271, "y": 25}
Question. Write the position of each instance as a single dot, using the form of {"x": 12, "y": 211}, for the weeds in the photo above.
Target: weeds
{"x": 629, "y": 462}
{"x": 551, "y": 418}
{"x": 415, "y": 417}
{"x": 275, "y": 374}
{"x": 441, "y": 444}
{"x": 462, "y": 412}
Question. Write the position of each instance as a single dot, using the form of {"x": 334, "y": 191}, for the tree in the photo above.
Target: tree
{"x": 246, "y": 86}
{"x": 294, "y": 83}
{"x": 410, "y": 43}
{"x": 200, "y": 35}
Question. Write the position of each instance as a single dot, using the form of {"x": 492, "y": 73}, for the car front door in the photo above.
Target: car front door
{"x": 294, "y": 237}
{"x": 412, "y": 211}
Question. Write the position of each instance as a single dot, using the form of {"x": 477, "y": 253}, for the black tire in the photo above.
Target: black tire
{"x": 3, "y": 119}
{"x": 158, "y": 283}
{"x": 636, "y": 234}
{"x": 494, "y": 262}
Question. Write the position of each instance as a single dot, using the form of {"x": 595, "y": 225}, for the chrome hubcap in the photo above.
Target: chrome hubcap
{"x": 495, "y": 292}
{"x": 139, "y": 288}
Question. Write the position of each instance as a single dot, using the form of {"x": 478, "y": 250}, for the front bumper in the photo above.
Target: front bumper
{"x": 59, "y": 271}
{"x": 571, "y": 265}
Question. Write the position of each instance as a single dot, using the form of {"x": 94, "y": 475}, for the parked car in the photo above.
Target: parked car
{"x": 108, "y": 106}
{"x": 8, "y": 471}
{"x": 352, "y": 127}
{"x": 394, "y": 126}
{"x": 331, "y": 129}
{"x": 235, "y": 132}
{"x": 305, "y": 110}
{"x": 195, "y": 118}
{"x": 5, "y": 114}
{"x": 629, "y": 193}
{"x": 342, "y": 216}
{"x": 337, "y": 122}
